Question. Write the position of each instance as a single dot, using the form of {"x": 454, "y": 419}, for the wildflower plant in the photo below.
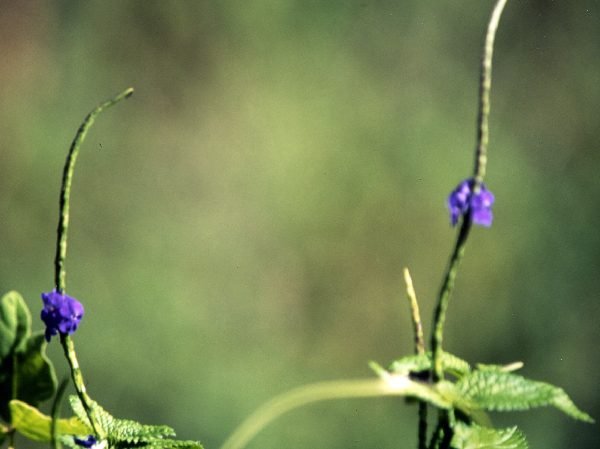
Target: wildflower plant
{"x": 27, "y": 376}
{"x": 461, "y": 393}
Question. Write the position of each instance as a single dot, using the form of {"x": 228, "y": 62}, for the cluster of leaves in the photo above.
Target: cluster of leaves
{"x": 27, "y": 379}
{"x": 468, "y": 393}
{"x": 26, "y": 373}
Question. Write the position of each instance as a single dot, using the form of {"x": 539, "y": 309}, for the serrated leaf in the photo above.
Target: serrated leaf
{"x": 422, "y": 362}
{"x": 504, "y": 391}
{"x": 33, "y": 424}
{"x": 477, "y": 437}
{"x": 125, "y": 433}
{"x": 15, "y": 324}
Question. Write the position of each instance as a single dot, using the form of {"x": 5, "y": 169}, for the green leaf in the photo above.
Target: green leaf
{"x": 495, "y": 389}
{"x": 33, "y": 424}
{"x": 36, "y": 380}
{"x": 422, "y": 362}
{"x": 25, "y": 371}
{"x": 477, "y": 437}
{"x": 15, "y": 324}
{"x": 125, "y": 433}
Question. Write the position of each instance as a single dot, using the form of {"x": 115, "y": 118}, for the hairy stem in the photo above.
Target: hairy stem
{"x": 61, "y": 249}
{"x": 69, "y": 350}
{"x": 65, "y": 190}
{"x": 485, "y": 85}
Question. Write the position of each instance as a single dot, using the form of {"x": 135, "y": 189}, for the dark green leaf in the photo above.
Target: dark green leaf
{"x": 476, "y": 437}
{"x": 36, "y": 380}
{"x": 25, "y": 371}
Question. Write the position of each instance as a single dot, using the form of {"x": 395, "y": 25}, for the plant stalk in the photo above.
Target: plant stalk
{"x": 61, "y": 250}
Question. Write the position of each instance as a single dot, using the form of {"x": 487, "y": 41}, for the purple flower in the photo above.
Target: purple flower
{"x": 87, "y": 442}
{"x": 462, "y": 201}
{"x": 61, "y": 313}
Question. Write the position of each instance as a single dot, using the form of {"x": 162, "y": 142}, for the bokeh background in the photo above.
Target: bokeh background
{"x": 240, "y": 225}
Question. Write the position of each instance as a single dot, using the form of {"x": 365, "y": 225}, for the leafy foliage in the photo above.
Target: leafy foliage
{"x": 25, "y": 371}
{"x": 124, "y": 433}
{"x": 477, "y": 437}
{"x": 476, "y": 391}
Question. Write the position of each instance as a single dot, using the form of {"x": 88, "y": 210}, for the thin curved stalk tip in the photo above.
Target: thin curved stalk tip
{"x": 65, "y": 190}
{"x": 485, "y": 85}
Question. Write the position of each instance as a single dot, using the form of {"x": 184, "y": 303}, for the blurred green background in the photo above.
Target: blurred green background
{"x": 240, "y": 225}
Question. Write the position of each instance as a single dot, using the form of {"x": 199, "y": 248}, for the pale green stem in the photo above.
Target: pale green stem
{"x": 322, "y": 391}
{"x": 65, "y": 191}
{"x": 419, "y": 349}
{"x": 415, "y": 314}
{"x": 485, "y": 85}
{"x": 54, "y": 442}
{"x": 61, "y": 249}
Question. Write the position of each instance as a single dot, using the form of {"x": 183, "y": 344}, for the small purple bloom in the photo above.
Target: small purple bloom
{"x": 87, "y": 442}
{"x": 462, "y": 200}
{"x": 61, "y": 313}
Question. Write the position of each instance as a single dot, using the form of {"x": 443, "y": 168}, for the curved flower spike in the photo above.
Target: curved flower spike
{"x": 61, "y": 313}
{"x": 462, "y": 200}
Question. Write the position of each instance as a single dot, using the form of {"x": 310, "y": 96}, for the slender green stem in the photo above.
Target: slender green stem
{"x": 77, "y": 377}
{"x": 344, "y": 389}
{"x": 61, "y": 249}
{"x": 419, "y": 349}
{"x": 437, "y": 335}
{"x": 439, "y": 317}
{"x": 54, "y": 442}
{"x": 485, "y": 85}
{"x": 65, "y": 191}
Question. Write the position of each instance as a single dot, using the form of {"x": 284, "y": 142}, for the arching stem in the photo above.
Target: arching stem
{"x": 61, "y": 249}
